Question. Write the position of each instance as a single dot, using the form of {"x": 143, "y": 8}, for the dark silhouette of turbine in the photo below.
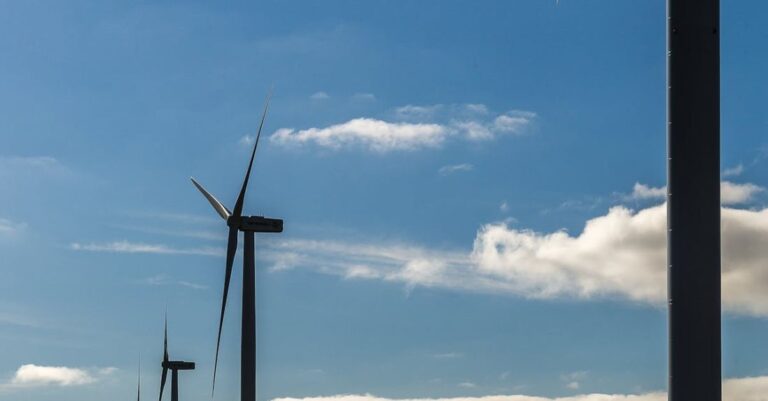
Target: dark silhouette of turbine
{"x": 174, "y": 366}
{"x": 138, "y": 386}
{"x": 248, "y": 225}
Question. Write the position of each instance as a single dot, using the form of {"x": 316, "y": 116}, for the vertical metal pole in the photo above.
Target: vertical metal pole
{"x": 174, "y": 385}
{"x": 248, "y": 337}
{"x": 693, "y": 208}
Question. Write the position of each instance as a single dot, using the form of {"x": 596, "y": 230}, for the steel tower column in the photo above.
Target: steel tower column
{"x": 693, "y": 196}
{"x": 248, "y": 335}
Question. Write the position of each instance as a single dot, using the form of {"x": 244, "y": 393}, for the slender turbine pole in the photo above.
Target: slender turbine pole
{"x": 694, "y": 200}
{"x": 174, "y": 385}
{"x": 248, "y": 334}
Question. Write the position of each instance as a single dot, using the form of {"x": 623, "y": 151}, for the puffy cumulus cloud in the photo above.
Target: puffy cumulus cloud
{"x": 622, "y": 253}
{"x": 734, "y": 194}
{"x": 376, "y": 135}
{"x": 642, "y": 191}
{"x": 742, "y": 389}
{"x": 31, "y": 375}
{"x": 416, "y": 127}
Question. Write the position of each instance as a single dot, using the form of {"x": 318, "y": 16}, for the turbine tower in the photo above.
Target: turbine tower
{"x": 175, "y": 367}
{"x": 138, "y": 386}
{"x": 248, "y": 225}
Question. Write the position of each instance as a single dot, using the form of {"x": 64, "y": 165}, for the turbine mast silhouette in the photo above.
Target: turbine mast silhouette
{"x": 249, "y": 225}
{"x": 174, "y": 366}
{"x": 693, "y": 199}
{"x": 138, "y": 386}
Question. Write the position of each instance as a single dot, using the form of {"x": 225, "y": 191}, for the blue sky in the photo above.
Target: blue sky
{"x": 436, "y": 164}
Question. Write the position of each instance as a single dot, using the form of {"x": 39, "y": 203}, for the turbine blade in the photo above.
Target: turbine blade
{"x": 231, "y": 249}
{"x": 220, "y": 209}
{"x": 138, "y": 391}
{"x": 162, "y": 382}
{"x": 165, "y": 341}
{"x": 239, "y": 204}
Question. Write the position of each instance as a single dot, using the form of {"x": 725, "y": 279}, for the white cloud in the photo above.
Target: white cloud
{"x": 423, "y": 127}
{"x": 9, "y": 228}
{"x": 364, "y": 97}
{"x": 743, "y": 389}
{"x": 372, "y": 134}
{"x": 733, "y": 171}
{"x": 642, "y": 192}
{"x": 246, "y": 140}
{"x": 730, "y": 193}
{"x": 27, "y": 162}
{"x": 734, "y": 194}
{"x": 164, "y": 279}
{"x": 513, "y": 122}
{"x": 621, "y": 254}
{"x": 15, "y": 169}
{"x": 420, "y": 113}
{"x": 504, "y": 207}
{"x": 455, "y": 168}
{"x": 34, "y": 375}
{"x": 477, "y": 108}
{"x": 319, "y": 96}
{"x": 137, "y": 247}
{"x": 467, "y": 385}
{"x": 573, "y": 380}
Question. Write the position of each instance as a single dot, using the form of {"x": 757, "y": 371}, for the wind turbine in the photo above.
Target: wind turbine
{"x": 248, "y": 225}
{"x": 174, "y": 366}
{"x": 138, "y": 386}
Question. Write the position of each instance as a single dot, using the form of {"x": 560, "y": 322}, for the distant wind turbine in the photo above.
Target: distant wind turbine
{"x": 138, "y": 387}
{"x": 174, "y": 366}
{"x": 248, "y": 225}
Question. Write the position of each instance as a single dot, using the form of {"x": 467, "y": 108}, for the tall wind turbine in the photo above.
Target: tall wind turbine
{"x": 175, "y": 367}
{"x": 248, "y": 225}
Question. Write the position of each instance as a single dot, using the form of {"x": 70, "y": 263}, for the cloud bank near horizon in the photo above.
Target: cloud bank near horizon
{"x": 741, "y": 389}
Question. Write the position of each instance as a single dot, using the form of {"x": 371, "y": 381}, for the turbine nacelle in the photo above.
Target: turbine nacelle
{"x": 256, "y": 224}
{"x": 178, "y": 365}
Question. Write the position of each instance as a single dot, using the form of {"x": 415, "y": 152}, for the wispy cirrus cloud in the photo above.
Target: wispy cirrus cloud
{"x": 9, "y": 228}
{"x": 415, "y": 128}
{"x": 740, "y": 389}
{"x": 138, "y": 247}
{"x": 364, "y": 97}
{"x": 164, "y": 279}
{"x": 733, "y": 171}
{"x": 455, "y": 168}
